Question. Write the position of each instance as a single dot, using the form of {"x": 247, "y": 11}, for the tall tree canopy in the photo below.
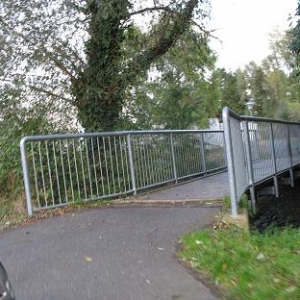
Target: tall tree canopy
{"x": 79, "y": 54}
{"x": 295, "y": 42}
{"x": 178, "y": 92}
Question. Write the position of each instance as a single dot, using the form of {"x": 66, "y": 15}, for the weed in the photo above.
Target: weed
{"x": 243, "y": 204}
{"x": 226, "y": 202}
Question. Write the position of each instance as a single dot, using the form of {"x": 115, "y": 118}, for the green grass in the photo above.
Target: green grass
{"x": 226, "y": 202}
{"x": 247, "y": 266}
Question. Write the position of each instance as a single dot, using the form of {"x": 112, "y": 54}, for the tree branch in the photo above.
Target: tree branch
{"x": 58, "y": 63}
{"x": 169, "y": 10}
{"x": 172, "y": 32}
{"x": 151, "y": 9}
{"x": 49, "y": 93}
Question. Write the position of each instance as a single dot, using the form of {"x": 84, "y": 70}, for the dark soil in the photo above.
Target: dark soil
{"x": 278, "y": 212}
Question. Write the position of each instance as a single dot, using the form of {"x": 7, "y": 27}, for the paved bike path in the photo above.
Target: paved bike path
{"x": 105, "y": 254}
{"x": 206, "y": 188}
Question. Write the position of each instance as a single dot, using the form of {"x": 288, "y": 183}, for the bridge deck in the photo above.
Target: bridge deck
{"x": 213, "y": 187}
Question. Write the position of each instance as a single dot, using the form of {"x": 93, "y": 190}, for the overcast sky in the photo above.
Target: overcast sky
{"x": 243, "y": 27}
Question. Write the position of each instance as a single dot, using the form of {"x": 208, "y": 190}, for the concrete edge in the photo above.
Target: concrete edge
{"x": 209, "y": 201}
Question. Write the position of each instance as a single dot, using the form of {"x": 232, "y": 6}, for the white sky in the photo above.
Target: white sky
{"x": 244, "y": 26}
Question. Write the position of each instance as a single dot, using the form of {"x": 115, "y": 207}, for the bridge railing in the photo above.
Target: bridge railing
{"x": 258, "y": 149}
{"x": 62, "y": 169}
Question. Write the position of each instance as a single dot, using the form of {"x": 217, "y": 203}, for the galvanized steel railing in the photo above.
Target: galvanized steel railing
{"x": 62, "y": 169}
{"x": 258, "y": 149}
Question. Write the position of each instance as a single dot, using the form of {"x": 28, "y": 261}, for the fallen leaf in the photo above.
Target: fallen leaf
{"x": 290, "y": 289}
{"x": 260, "y": 256}
{"x": 88, "y": 259}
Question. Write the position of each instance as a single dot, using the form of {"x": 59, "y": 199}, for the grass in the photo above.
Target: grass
{"x": 226, "y": 202}
{"x": 246, "y": 266}
{"x": 13, "y": 211}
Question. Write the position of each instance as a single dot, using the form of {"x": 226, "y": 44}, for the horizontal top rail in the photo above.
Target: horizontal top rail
{"x": 115, "y": 133}
{"x": 268, "y": 120}
{"x": 257, "y": 119}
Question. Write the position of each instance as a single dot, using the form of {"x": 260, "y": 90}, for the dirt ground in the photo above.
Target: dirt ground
{"x": 278, "y": 212}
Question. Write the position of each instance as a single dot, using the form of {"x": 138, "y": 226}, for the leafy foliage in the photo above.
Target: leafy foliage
{"x": 66, "y": 64}
{"x": 295, "y": 41}
{"x": 271, "y": 85}
{"x": 178, "y": 93}
{"x": 75, "y": 54}
{"x": 229, "y": 89}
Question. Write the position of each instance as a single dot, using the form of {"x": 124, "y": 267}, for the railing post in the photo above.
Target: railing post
{"x": 224, "y": 149}
{"x": 275, "y": 179}
{"x": 131, "y": 164}
{"x": 173, "y": 158}
{"x": 26, "y": 175}
{"x": 290, "y": 156}
{"x": 230, "y": 161}
{"x": 250, "y": 167}
{"x": 203, "y": 160}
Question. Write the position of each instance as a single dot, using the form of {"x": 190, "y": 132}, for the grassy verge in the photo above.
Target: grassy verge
{"x": 13, "y": 212}
{"x": 246, "y": 266}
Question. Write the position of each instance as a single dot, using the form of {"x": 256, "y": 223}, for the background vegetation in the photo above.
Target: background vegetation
{"x": 112, "y": 65}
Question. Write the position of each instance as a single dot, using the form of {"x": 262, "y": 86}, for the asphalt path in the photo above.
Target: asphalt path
{"x": 105, "y": 254}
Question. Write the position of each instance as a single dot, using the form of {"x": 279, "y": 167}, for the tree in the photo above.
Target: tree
{"x": 283, "y": 94}
{"x": 272, "y": 85}
{"x": 181, "y": 93}
{"x": 256, "y": 89}
{"x": 72, "y": 53}
{"x": 294, "y": 45}
{"x": 230, "y": 94}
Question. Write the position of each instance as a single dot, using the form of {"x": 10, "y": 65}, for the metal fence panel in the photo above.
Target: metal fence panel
{"x": 152, "y": 159}
{"x": 294, "y": 134}
{"x": 258, "y": 149}
{"x": 188, "y": 150}
{"x": 76, "y": 169}
{"x": 281, "y": 144}
{"x": 263, "y": 165}
{"x": 61, "y": 169}
{"x": 214, "y": 146}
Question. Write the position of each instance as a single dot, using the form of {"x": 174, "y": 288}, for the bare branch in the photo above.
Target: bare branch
{"x": 58, "y": 63}
{"x": 151, "y": 9}
{"x": 173, "y": 31}
{"x": 169, "y": 10}
{"x": 62, "y": 52}
{"x": 207, "y": 32}
{"x": 49, "y": 93}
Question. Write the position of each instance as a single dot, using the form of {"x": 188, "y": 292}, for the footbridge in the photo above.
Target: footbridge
{"x": 186, "y": 165}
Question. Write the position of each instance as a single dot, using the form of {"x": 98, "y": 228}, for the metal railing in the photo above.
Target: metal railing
{"x": 62, "y": 169}
{"x": 258, "y": 149}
